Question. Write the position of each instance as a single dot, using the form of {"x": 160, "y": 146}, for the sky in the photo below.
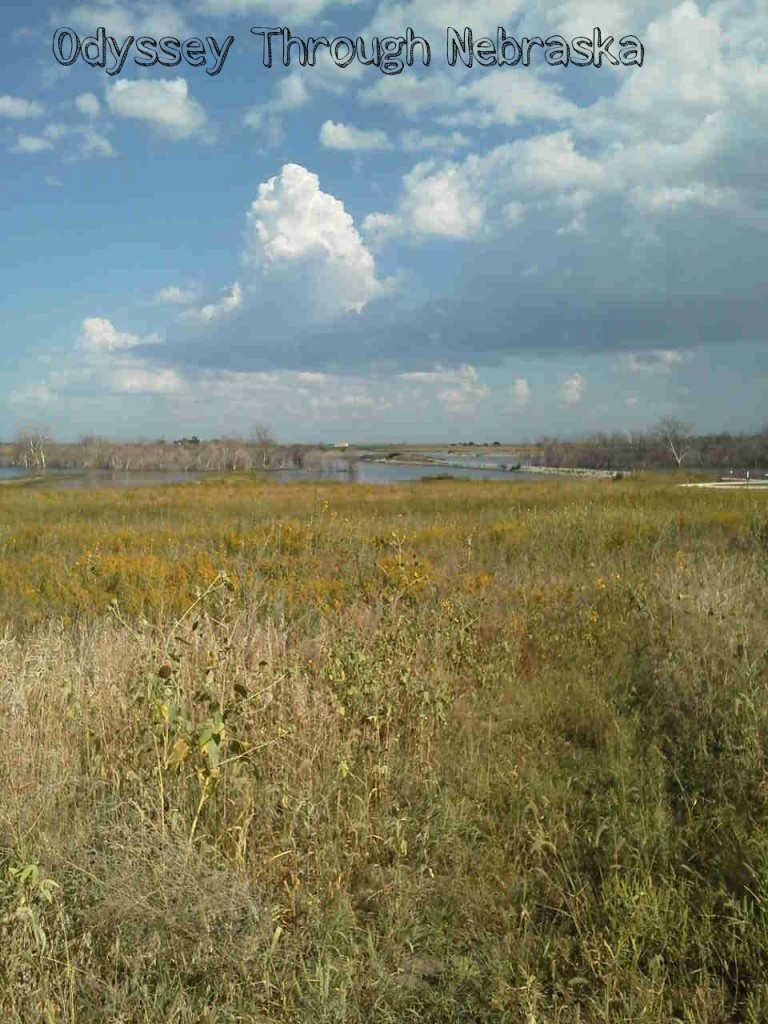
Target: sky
{"x": 448, "y": 253}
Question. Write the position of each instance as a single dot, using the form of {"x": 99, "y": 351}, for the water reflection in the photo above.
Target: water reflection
{"x": 349, "y": 472}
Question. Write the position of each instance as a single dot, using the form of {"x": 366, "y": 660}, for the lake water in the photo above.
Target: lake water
{"x": 389, "y": 473}
{"x": 360, "y": 472}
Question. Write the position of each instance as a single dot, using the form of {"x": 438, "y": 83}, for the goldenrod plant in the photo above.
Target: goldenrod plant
{"x": 447, "y": 751}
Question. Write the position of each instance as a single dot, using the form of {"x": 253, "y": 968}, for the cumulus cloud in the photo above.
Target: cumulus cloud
{"x": 414, "y": 94}
{"x": 464, "y": 396}
{"x": 87, "y": 103}
{"x": 165, "y": 105}
{"x": 294, "y": 225}
{"x": 655, "y": 361}
{"x": 436, "y": 200}
{"x": 637, "y": 196}
{"x": 608, "y": 198}
{"x": 572, "y": 390}
{"x": 288, "y": 95}
{"x": 229, "y": 302}
{"x": 520, "y": 393}
{"x": 439, "y": 142}
{"x": 670, "y": 198}
{"x": 430, "y": 18}
{"x": 296, "y": 10}
{"x": 18, "y": 108}
{"x": 458, "y": 389}
{"x": 32, "y": 144}
{"x": 675, "y": 134}
{"x": 155, "y": 18}
{"x": 131, "y": 377}
{"x": 351, "y": 139}
{"x": 71, "y": 141}
{"x": 490, "y": 100}
{"x": 459, "y": 200}
{"x": 107, "y": 360}
{"x": 100, "y": 335}
{"x": 93, "y": 144}
{"x": 175, "y": 296}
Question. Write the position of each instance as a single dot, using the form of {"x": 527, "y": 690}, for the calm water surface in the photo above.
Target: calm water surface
{"x": 361, "y": 472}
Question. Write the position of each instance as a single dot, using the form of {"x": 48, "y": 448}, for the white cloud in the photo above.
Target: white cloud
{"x": 430, "y": 18}
{"x": 75, "y": 142}
{"x": 453, "y": 199}
{"x": 347, "y": 137}
{"x": 32, "y": 394}
{"x": 100, "y": 335}
{"x": 512, "y": 213}
{"x": 546, "y": 163}
{"x": 572, "y": 390}
{"x": 87, "y": 103}
{"x": 132, "y": 377}
{"x": 412, "y": 94}
{"x": 94, "y": 144}
{"x": 175, "y": 295}
{"x": 123, "y": 18}
{"x": 458, "y": 389}
{"x": 296, "y": 10}
{"x": 463, "y": 397}
{"x": 490, "y": 100}
{"x": 229, "y": 302}
{"x": 672, "y": 88}
{"x": 655, "y": 361}
{"x": 19, "y": 108}
{"x": 445, "y": 142}
{"x": 293, "y": 224}
{"x": 32, "y": 144}
{"x": 103, "y": 362}
{"x": 520, "y": 393}
{"x": 289, "y": 94}
{"x": 165, "y": 105}
{"x": 673, "y": 197}
{"x": 666, "y": 139}
{"x": 436, "y": 200}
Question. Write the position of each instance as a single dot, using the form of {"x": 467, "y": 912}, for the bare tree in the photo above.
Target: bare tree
{"x": 30, "y": 447}
{"x": 676, "y": 434}
{"x": 264, "y": 439}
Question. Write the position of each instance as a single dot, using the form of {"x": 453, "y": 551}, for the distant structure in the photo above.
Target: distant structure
{"x": 184, "y": 442}
{"x": 341, "y": 444}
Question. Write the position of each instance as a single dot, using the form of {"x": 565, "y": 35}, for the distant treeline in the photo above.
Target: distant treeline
{"x": 670, "y": 445}
{"x": 35, "y": 451}
{"x": 658, "y": 449}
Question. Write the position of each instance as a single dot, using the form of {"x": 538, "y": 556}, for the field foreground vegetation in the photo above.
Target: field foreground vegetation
{"x": 441, "y": 752}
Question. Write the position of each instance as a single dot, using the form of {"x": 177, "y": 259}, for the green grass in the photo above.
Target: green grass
{"x": 446, "y": 752}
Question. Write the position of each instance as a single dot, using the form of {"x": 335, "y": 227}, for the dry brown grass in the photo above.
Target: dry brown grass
{"x": 448, "y": 752}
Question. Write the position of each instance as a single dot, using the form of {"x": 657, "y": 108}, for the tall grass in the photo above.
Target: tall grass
{"x": 443, "y": 752}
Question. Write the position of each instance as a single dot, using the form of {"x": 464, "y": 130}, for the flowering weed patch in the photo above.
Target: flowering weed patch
{"x": 264, "y": 748}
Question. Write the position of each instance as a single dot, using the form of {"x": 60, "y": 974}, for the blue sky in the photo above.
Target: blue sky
{"x": 448, "y": 253}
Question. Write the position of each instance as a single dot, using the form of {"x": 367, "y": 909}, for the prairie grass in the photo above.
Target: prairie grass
{"x": 448, "y": 752}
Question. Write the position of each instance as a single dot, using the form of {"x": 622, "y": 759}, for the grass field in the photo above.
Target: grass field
{"x": 442, "y": 752}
